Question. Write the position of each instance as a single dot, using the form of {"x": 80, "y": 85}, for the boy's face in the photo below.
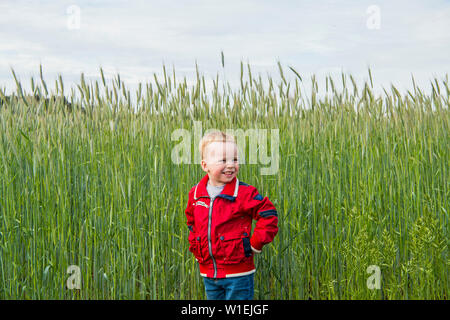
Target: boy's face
{"x": 221, "y": 162}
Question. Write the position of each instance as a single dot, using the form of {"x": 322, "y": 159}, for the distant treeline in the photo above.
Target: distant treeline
{"x": 7, "y": 100}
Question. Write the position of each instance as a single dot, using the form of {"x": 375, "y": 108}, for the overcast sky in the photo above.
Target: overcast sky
{"x": 134, "y": 38}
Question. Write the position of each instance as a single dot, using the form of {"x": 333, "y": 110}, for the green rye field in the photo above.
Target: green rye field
{"x": 363, "y": 180}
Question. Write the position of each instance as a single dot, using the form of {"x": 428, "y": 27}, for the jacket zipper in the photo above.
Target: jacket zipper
{"x": 209, "y": 237}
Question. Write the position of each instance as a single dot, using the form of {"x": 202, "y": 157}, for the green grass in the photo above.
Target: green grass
{"x": 363, "y": 180}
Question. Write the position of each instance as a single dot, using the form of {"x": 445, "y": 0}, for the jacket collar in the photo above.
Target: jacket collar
{"x": 230, "y": 191}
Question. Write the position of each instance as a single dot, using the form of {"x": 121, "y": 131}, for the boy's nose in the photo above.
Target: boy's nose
{"x": 230, "y": 163}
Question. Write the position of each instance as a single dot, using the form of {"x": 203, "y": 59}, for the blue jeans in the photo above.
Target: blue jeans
{"x": 233, "y": 288}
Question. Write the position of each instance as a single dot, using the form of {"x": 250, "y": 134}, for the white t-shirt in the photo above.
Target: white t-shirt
{"x": 214, "y": 191}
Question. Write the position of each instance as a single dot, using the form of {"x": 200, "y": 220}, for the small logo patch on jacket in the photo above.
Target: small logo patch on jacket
{"x": 201, "y": 203}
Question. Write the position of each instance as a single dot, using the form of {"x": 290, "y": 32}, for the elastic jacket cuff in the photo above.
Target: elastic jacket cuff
{"x": 255, "y": 243}
{"x": 256, "y": 251}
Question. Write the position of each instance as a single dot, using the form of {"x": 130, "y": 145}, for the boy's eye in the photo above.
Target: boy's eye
{"x": 224, "y": 160}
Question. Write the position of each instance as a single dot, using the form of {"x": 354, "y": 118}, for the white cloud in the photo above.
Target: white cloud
{"x": 136, "y": 37}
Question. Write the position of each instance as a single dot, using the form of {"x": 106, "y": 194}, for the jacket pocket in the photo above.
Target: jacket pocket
{"x": 247, "y": 247}
{"x": 195, "y": 245}
{"x": 232, "y": 248}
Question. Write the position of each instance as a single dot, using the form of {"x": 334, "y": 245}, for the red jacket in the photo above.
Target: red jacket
{"x": 220, "y": 234}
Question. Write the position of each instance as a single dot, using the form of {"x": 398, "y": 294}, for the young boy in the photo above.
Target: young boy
{"x": 219, "y": 215}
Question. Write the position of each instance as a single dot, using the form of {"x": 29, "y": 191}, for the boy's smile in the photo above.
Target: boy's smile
{"x": 221, "y": 162}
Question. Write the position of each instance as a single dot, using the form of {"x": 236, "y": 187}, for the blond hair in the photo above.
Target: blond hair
{"x": 215, "y": 136}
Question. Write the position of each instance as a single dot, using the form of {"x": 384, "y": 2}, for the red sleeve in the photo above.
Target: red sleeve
{"x": 265, "y": 214}
{"x": 190, "y": 211}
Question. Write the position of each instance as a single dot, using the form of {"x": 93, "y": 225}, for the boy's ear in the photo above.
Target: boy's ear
{"x": 203, "y": 164}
